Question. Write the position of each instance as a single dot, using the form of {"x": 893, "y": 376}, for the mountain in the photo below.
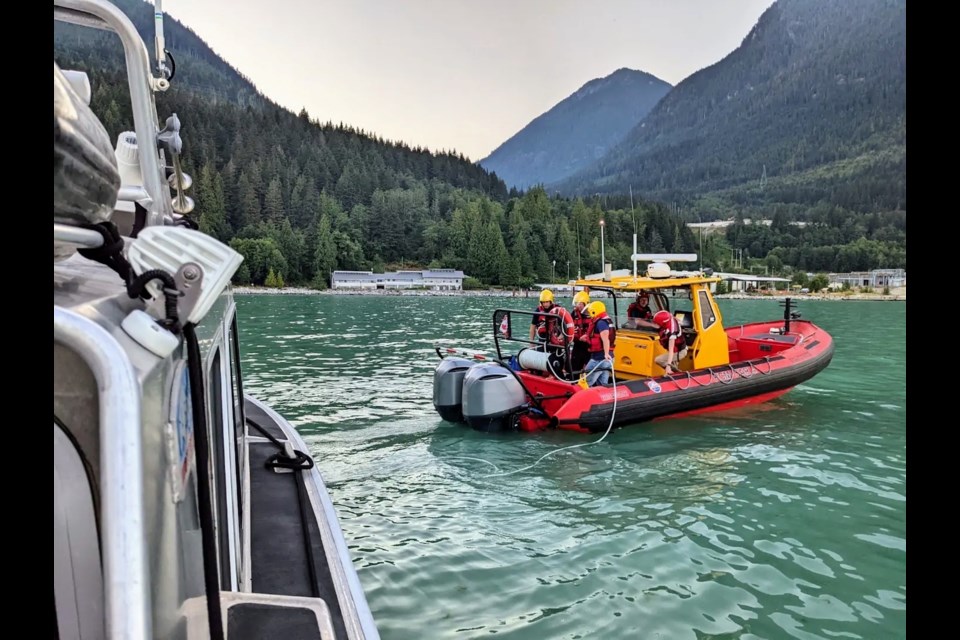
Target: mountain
{"x": 811, "y": 108}
{"x": 578, "y": 130}
{"x": 196, "y": 67}
{"x": 296, "y": 196}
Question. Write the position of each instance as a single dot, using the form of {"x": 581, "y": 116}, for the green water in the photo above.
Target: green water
{"x": 785, "y": 521}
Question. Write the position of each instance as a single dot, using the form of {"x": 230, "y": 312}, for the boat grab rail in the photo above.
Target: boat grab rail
{"x": 101, "y": 14}
{"x": 125, "y": 568}
{"x": 693, "y": 378}
{"x": 499, "y": 315}
{"x": 448, "y": 352}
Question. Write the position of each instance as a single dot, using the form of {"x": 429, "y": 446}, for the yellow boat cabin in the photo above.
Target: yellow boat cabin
{"x": 686, "y": 295}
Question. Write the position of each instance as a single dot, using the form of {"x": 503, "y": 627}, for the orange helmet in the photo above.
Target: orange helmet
{"x": 662, "y": 317}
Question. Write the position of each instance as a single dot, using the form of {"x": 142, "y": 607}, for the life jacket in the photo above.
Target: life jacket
{"x": 581, "y": 322}
{"x": 636, "y": 311}
{"x": 673, "y": 329}
{"x": 540, "y": 321}
{"x": 596, "y": 342}
{"x": 561, "y": 330}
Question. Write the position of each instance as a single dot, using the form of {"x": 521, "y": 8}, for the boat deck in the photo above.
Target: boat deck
{"x": 287, "y": 552}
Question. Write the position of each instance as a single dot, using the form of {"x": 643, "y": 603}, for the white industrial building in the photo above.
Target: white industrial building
{"x": 876, "y": 279}
{"x": 435, "y": 279}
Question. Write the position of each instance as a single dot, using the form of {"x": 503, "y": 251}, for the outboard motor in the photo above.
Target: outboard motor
{"x": 448, "y": 387}
{"x": 492, "y": 397}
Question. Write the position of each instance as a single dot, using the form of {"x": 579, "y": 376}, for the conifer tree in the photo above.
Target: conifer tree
{"x": 271, "y": 280}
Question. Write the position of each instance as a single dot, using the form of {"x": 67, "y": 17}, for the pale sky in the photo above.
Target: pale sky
{"x": 460, "y": 75}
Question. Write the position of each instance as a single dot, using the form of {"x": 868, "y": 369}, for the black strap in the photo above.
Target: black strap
{"x": 300, "y": 461}
{"x": 211, "y": 562}
{"x": 110, "y": 253}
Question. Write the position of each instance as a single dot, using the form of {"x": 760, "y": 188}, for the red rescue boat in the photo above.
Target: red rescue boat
{"x": 537, "y": 385}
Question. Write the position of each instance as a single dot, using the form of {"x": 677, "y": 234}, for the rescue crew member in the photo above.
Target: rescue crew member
{"x": 538, "y": 324}
{"x": 600, "y": 340}
{"x": 581, "y": 323}
{"x": 671, "y": 337}
{"x": 639, "y": 313}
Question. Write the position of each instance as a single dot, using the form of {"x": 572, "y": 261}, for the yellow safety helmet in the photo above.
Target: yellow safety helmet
{"x": 581, "y": 296}
{"x": 546, "y": 295}
{"x": 595, "y": 308}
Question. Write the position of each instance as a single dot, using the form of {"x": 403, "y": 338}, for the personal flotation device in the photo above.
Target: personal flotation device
{"x": 563, "y": 328}
{"x": 593, "y": 337}
{"x": 636, "y": 311}
{"x": 539, "y": 320}
{"x": 673, "y": 329}
{"x": 581, "y": 323}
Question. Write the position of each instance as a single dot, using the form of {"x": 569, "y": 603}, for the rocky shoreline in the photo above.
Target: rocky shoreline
{"x": 895, "y": 295}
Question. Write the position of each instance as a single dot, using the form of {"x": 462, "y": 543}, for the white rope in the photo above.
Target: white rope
{"x": 613, "y": 415}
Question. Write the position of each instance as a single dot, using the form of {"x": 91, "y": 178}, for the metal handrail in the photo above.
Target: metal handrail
{"x": 77, "y": 235}
{"x": 101, "y": 14}
{"x": 509, "y": 313}
{"x": 125, "y": 568}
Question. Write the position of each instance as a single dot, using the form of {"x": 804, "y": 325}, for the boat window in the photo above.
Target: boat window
{"x": 236, "y": 382}
{"x": 219, "y": 476}
{"x": 708, "y": 314}
{"x": 235, "y": 375}
{"x": 659, "y": 302}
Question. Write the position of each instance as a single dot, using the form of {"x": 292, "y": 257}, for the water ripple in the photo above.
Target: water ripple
{"x": 785, "y": 520}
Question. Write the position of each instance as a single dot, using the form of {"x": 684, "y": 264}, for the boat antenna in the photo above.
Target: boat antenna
{"x": 634, "y": 216}
{"x": 160, "y": 47}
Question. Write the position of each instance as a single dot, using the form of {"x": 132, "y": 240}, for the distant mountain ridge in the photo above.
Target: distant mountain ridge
{"x": 810, "y": 108}
{"x": 578, "y": 130}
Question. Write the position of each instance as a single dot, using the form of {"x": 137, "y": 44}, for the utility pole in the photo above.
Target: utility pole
{"x": 603, "y": 260}
{"x": 578, "y": 251}
{"x": 701, "y": 240}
